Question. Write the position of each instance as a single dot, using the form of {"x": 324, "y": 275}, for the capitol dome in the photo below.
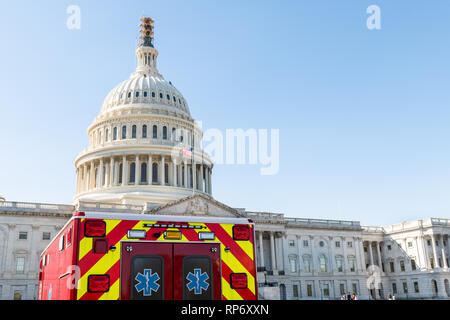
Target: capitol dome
{"x": 144, "y": 146}
{"x": 146, "y": 88}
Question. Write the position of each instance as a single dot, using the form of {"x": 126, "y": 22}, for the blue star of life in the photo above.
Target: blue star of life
{"x": 197, "y": 281}
{"x": 147, "y": 282}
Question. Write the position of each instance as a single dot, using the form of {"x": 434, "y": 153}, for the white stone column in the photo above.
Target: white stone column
{"x": 209, "y": 181}
{"x": 163, "y": 171}
{"x": 444, "y": 258}
{"x": 344, "y": 252}
{"x": 371, "y": 253}
{"x": 91, "y": 176}
{"x": 261, "y": 249}
{"x": 137, "y": 171}
{"x": 272, "y": 251}
{"x": 379, "y": 256}
{"x": 300, "y": 260}
{"x": 174, "y": 173}
{"x": 85, "y": 180}
{"x": 201, "y": 178}
{"x": 111, "y": 172}
{"x": 100, "y": 172}
{"x": 116, "y": 175}
{"x": 420, "y": 260}
{"x": 124, "y": 171}
{"x": 427, "y": 254}
{"x": 362, "y": 255}
{"x": 186, "y": 184}
{"x": 150, "y": 169}
{"x": 194, "y": 175}
{"x": 433, "y": 244}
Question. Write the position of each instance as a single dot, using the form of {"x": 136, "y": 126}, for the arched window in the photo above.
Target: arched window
{"x": 168, "y": 97}
{"x": 155, "y": 172}
{"x": 173, "y": 134}
{"x": 129, "y": 94}
{"x": 115, "y": 133}
{"x": 107, "y": 134}
{"x": 124, "y": 132}
{"x": 155, "y": 132}
{"x": 137, "y": 94}
{"x": 144, "y": 131}
{"x": 133, "y": 131}
{"x": 120, "y": 172}
{"x": 166, "y": 173}
{"x": 165, "y": 133}
{"x": 323, "y": 263}
{"x": 153, "y": 94}
{"x": 160, "y": 95}
{"x": 145, "y": 93}
{"x": 143, "y": 172}
{"x": 132, "y": 172}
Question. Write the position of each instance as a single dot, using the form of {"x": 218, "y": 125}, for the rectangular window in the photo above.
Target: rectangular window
{"x": 338, "y": 244}
{"x": 46, "y": 235}
{"x": 309, "y": 291}
{"x": 339, "y": 265}
{"x": 307, "y": 264}
{"x": 389, "y": 247}
{"x": 432, "y": 262}
{"x": 413, "y": 264}
{"x": 23, "y": 235}
{"x": 291, "y": 243}
{"x": 293, "y": 265}
{"x": 391, "y": 266}
{"x": 352, "y": 265}
{"x": 402, "y": 265}
{"x": 405, "y": 287}
{"x": 355, "y": 288}
{"x": 416, "y": 287}
{"x": 326, "y": 290}
{"x": 429, "y": 242}
{"x": 18, "y": 294}
{"x": 342, "y": 288}
{"x": 295, "y": 291}
{"x": 20, "y": 264}
{"x": 305, "y": 243}
{"x": 350, "y": 244}
{"x": 394, "y": 288}
{"x": 410, "y": 244}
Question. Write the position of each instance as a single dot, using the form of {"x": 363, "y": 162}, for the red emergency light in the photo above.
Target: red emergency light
{"x": 241, "y": 233}
{"x": 238, "y": 281}
{"x": 94, "y": 228}
{"x": 98, "y": 283}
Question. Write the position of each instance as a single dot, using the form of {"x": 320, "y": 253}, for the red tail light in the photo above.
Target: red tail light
{"x": 98, "y": 283}
{"x": 94, "y": 228}
{"x": 238, "y": 281}
{"x": 241, "y": 233}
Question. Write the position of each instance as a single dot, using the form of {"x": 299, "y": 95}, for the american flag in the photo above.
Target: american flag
{"x": 187, "y": 151}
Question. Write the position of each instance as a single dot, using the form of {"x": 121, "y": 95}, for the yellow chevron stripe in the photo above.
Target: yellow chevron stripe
{"x": 235, "y": 265}
{"x": 245, "y": 245}
{"x": 86, "y": 243}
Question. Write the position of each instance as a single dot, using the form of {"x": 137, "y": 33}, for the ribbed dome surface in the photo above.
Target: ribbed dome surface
{"x": 145, "y": 88}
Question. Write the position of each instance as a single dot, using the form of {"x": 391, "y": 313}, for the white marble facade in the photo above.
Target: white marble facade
{"x": 297, "y": 259}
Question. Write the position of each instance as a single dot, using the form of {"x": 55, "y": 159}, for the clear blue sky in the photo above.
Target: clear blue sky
{"x": 364, "y": 116}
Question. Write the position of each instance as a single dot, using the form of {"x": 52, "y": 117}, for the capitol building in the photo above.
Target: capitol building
{"x": 144, "y": 156}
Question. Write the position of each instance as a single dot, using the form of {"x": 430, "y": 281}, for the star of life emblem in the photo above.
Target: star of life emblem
{"x": 147, "y": 282}
{"x": 197, "y": 281}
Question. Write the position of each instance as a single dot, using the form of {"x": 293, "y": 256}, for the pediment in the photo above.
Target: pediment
{"x": 197, "y": 205}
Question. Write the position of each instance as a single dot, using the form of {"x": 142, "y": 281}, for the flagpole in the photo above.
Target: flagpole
{"x": 192, "y": 162}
